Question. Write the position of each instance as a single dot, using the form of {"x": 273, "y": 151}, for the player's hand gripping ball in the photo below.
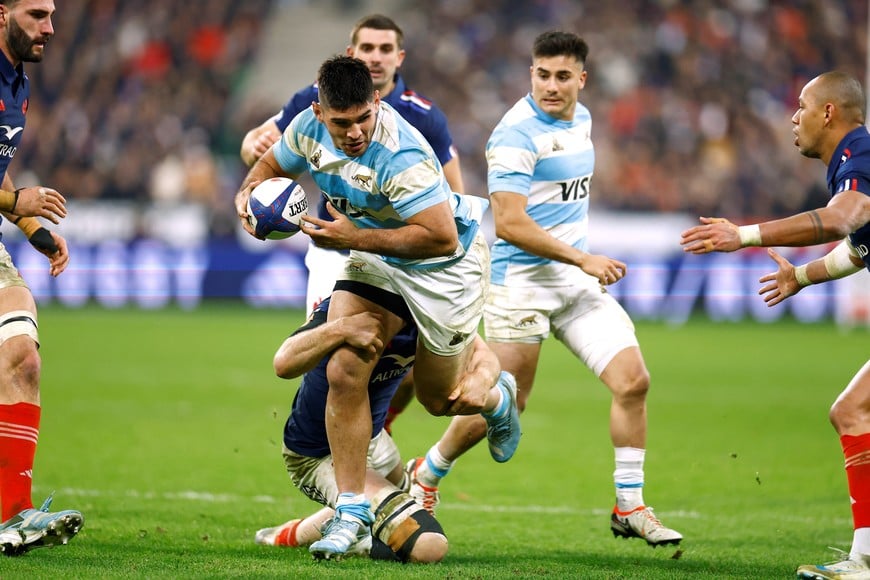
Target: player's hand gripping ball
{"x": 275, "y": 208}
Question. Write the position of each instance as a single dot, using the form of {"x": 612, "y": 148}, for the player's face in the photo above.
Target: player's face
{"x": 379, "y": 49}
{"x": 809, "y": 121}
{"x": 556, "y": 85}
{"x": 27, "y": 29}
{"x": 351, "y": 130}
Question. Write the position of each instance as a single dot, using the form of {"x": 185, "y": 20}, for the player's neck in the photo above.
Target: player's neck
{"x": 386, "y": 89}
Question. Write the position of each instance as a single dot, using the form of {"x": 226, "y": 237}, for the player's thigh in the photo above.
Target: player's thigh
{"x": 384, "y": 457}
{"x": 595, "y": 328}
{"x": 347, "y": 361}
{"x": 19, "y": 334}
{"x": 315, "y": 476}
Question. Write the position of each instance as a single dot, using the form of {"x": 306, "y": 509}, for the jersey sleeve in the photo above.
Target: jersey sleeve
{"x": 288, "y": 150}
{"x": 510, "y": 159}
{"x": 412, "y": 181}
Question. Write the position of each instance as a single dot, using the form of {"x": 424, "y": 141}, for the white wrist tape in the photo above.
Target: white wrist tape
{"x": 749, "y": 235}
{"x": 800, "y": 275}
{"x": 838, "y": 262}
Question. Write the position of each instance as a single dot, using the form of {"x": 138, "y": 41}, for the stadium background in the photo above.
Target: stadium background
{"x": 137, "y": 116}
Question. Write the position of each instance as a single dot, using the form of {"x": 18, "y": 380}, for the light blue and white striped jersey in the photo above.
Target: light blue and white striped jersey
{"x": 550, "y": 161}
{"x": 397, "y": 177}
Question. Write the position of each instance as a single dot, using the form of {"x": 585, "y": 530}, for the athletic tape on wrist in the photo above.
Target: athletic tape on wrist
{"x": 749, "y": 235}
{"x": 800, "y": 275}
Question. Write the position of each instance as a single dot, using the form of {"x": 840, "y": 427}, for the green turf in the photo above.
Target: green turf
{"x": 163, "y": 428}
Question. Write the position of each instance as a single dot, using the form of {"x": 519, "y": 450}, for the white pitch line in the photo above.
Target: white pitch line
{"x": 207, "y": 497}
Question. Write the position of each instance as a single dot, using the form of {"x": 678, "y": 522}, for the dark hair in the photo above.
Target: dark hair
{"x": 558, "y": 43}
{"x": 344, "y": 82}
{"x": 845, "y": 90}
{"x": 377, "y": 22}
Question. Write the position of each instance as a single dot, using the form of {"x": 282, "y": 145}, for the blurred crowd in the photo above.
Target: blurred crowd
{"x": 131, "y": 99}
{"x": 691, "y": 100}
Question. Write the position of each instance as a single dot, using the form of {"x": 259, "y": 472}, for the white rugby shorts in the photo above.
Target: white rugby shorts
{"x": 324, "y": 268}
{"x": 9, "y": 275}
{"x": 315, "y": 476}
{"x": 446, "y": 302}
{"x": 584, "y": 317}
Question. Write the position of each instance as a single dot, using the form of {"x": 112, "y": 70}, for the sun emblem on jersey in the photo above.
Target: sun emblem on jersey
{"x": 315, "y": 159}
{"x": 557, "y": 146}
{"x": 364, "y": 181}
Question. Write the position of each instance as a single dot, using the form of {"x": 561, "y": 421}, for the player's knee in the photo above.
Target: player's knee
{"x": 634, "y": 386}
{"x": 430, "y": 547}
{"x": 438, "y": 406}
{"x": 845, "y": 416}
{"x": 21, "y": 362}
{"x": 405, "y": 532}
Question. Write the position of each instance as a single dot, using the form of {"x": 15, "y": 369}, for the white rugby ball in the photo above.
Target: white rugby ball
{"x": 275, "y": 208}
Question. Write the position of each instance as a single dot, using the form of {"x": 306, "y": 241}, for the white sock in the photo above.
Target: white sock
{"x": 433, "y": 468}
{"x": 500, "y": 408}
{"x": 628, "y": 478}
{"x": 861, "y": 546}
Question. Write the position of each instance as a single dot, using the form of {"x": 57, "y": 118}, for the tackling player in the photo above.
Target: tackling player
{"x": 403, "y": 530}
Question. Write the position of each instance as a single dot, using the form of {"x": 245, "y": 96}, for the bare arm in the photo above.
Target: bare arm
{"x": 258, "y": 140}
{"x": 301, "y": 352}
{"x": 514, "y": 225}
{"x": 453, "y": 173}
{"x": 788, "y": 279}
{"x": 428, "y": 234}
{"x": 845, "y": 213}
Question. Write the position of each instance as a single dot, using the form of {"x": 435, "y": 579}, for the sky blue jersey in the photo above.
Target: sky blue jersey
{"x": 414, "y": 107}
{"x": 550, "y": 161}
{"x": 397, "y": 177}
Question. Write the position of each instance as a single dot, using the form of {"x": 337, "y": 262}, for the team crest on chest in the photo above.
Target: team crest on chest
{"x": 364, "y": 181}
{"x": 315, "y": 159}
{"x": 557, "y": 146}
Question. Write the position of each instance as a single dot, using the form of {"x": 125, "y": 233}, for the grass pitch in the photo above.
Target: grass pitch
{"x": 164, "y": 429}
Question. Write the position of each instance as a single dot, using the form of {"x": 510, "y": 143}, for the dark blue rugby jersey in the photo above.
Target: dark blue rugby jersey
{"x": 849, "y": 169}
{"x": 14, "y": 96}
{"x": 416, "y": 109}
{"x": 305, "y": 429}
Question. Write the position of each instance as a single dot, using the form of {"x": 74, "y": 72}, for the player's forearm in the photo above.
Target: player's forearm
{"x": 838, "y": 263}
{"x": 301, "y": 352}
{"x": 820, "y": 226}
{"x": 531, "y": 238}
{"x": 247, "y": 153}
{"x": 8, "y": 200}
{"x": 413, "y": 241}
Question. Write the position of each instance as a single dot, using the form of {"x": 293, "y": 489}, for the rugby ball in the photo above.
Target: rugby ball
{"x": 275, "y": 208}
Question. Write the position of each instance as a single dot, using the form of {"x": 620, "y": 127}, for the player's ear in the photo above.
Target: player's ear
{"x": 318, "y": 111}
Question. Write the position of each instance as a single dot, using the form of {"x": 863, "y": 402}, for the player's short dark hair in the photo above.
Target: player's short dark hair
{"x": 376, "y": 22}
{"x": 845, "y": 90}
{"x": 344, "y": 82}
{"x": 559, "y": 43}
